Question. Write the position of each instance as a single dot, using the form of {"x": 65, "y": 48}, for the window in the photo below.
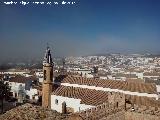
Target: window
{"x": 15, "y": 95}
{"x": 56, "y": 101}
{"x": 33, "y": 97}
{"x": 51, "y": 73}
{"x": 117, "y": 104}
{"x": 44, "y": 74}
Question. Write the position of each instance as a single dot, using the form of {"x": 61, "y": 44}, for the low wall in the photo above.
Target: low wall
{"x": 140, "y": 116}
{"x": 105, "y": 111}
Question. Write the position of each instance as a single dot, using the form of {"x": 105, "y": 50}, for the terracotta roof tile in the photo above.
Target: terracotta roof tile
{"x": 87, "y": 96}
{"x": 21, "y": 79}
{"x": 113, "y": 84}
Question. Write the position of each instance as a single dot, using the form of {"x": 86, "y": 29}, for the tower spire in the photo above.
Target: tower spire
{"x": 47, "y": 79}
{"x": 48, "y": 57}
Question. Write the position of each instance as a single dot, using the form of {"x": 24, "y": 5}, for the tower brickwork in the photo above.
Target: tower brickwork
{"x": 47, "y": 79}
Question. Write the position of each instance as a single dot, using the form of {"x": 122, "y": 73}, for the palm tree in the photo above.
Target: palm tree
{"x": 4, "y": 92}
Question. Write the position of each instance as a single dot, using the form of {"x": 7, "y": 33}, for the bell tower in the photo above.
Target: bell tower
{"x": 47, "y": 79}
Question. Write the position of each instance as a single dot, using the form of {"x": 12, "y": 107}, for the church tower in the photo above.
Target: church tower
{"x": 47, "y": 79}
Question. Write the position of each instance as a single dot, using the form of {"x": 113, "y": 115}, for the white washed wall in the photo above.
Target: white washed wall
{"x": 70, "y": 102}
{"x": 32, "y": 92}
{"x": 15, "y": 86}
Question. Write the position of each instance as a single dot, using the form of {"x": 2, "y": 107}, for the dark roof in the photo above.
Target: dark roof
{"x": 22, "y": 79}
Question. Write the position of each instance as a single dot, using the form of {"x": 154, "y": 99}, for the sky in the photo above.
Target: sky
{"x": 84, "y": 28}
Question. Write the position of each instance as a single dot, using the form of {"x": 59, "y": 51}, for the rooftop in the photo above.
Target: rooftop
{"x": 87, "y": 96}
{"x": 31, "y": 112}
{"x": 22, "y": 79}
{"x": 113, "y": 84}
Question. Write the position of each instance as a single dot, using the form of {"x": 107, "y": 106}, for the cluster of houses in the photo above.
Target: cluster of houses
{"x": 86, "y": 87}
{"x": 23, "y": 84}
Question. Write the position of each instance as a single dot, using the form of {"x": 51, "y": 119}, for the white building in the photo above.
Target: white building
{"x": 23, "y": 84}
{"x": 81, "y": 93}
{"x": 77, "y": 99}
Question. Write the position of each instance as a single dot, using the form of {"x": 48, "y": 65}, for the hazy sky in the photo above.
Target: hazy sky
{"x": 88, "y": 27}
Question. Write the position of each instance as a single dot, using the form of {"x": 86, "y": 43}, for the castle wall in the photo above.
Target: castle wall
{"x": 118, "y": 116}
{"x": 140, "y": 116}
{"x": 112, "y": 111}
{"x": 117, "y": 99}
{"x": 105, "y": 111}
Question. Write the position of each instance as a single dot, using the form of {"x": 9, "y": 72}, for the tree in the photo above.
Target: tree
{"x": 4, "y": 92}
